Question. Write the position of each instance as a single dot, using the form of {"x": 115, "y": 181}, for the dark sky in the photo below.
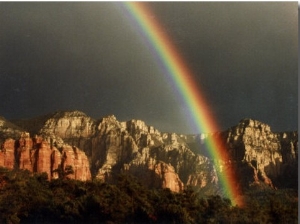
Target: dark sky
{"x": 90, "y": 57}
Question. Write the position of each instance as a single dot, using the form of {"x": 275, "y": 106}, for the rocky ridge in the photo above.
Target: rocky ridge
{"x": 168, "y": 160}
{"x": 9, "y": 130}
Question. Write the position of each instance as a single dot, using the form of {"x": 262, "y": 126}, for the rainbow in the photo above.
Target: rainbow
{"x": 184, "y": 81}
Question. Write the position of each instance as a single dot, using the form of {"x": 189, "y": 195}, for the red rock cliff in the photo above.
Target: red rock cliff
{"x": 7, "y": 157}
{"x": 37, "y": 155}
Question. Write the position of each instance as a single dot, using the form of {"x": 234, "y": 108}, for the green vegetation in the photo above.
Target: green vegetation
{"x": 31, "y": 198}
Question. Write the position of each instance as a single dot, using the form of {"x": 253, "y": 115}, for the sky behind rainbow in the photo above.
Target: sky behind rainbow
{"x": 87, "y": 56}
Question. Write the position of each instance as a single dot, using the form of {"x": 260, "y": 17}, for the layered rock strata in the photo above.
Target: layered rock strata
{"x": 38, "y": 155}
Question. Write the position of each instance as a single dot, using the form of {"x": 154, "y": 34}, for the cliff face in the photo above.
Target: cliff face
{"x": 263, "y": 155}
{"x": 254, "y": 143}
{"x": 158, "y": 159}
{"x": 37, "y": 155}
{"x": 7, "y": 157}
{"x": 75, "y": 158}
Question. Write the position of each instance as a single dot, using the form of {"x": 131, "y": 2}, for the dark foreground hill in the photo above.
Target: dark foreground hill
{"x": 27, "y": 198}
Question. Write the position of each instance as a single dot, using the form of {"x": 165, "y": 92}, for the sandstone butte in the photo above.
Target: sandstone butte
{"x": 37, "y": 155}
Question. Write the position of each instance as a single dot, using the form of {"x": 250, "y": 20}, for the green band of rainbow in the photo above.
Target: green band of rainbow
{"x": 184, "y": 81}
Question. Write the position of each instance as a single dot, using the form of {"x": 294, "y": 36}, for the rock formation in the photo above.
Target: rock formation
{"x": 56, "y": 163}
{"x": 165, "y": 160}
{"x": 110, "y": 145}
{"x": 69, "y": 125}
{"x": 75, "y": 158}
{"x": 25, "y": 152}
{"x": 7, "y": 157}
{"x": 259, "y": 151}
{"x": 37, "y": 155}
